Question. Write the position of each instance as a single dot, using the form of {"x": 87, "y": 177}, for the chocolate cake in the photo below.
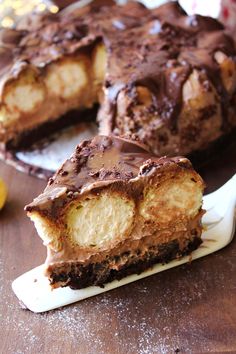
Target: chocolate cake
{"x": 159, "y": 75}
{"x": 114, "y": 209}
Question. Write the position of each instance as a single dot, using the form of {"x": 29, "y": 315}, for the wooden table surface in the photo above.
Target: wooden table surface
{"x": 189, "y": 309}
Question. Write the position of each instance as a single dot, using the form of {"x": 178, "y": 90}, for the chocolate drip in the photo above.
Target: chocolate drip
{"x": 162, "y": 54}
{"x": 97, "y": 163}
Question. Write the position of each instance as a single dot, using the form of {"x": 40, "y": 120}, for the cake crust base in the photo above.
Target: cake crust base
{"x": 28, "y": 139}
{"x": 78, "y": 276}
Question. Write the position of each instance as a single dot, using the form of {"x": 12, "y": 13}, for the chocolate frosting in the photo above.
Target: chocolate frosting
{"x": 52, "y": 36}
{"x": 98, "y": 163}
{"x": 160, "y": 55}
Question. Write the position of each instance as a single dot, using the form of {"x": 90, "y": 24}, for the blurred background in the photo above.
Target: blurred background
{"x": 11, "y": 10}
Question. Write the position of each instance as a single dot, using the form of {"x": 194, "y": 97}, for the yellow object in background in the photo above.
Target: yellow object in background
{"x": 12, "y": 10}
{"x": 3, "y": 193}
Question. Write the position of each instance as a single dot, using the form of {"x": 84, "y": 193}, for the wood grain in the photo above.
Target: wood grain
{"x": 190, "y": 309}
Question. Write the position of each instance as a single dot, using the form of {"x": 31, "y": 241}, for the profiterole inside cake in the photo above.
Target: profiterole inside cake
{"x": 115, "y": 209}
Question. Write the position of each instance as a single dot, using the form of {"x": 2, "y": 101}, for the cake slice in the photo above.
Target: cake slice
{"x": 114, "y": 209}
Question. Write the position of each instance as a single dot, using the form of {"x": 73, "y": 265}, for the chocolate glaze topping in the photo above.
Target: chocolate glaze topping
{"x": 98, "y": 163}
{"x": 162, "y": 53}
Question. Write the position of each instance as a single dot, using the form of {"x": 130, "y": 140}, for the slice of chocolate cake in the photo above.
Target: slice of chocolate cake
{"x": 114, "y": 209}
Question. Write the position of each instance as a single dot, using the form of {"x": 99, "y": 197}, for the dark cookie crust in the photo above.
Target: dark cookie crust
{"x": 98, "y": 274}
{"x": 29, "y": 138}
